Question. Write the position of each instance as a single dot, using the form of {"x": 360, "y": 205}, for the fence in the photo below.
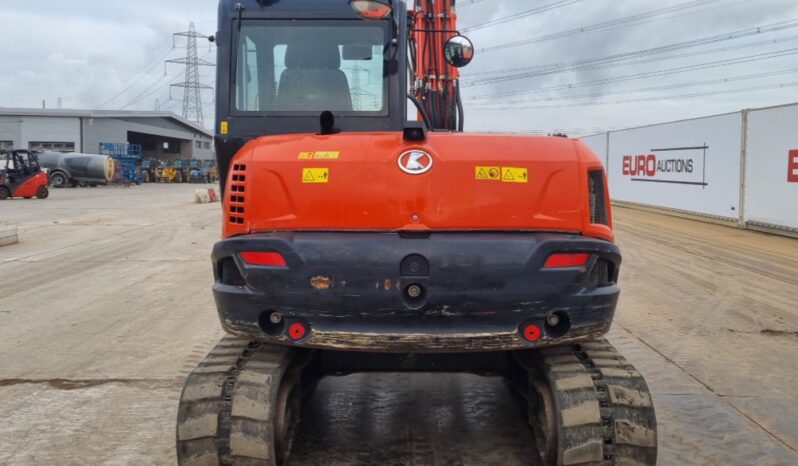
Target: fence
{"x": 740, "y": 167}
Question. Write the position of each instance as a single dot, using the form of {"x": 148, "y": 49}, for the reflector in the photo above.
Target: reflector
{"x": 567, "y": 260}
{"x": 297, "y": 331}
{"x": 371, "y": 9}
{"x": 274, "y": 259}
{"x": 532, "y": 332}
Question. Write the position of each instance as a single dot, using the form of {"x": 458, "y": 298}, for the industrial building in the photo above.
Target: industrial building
{"x": 162, "y": 135}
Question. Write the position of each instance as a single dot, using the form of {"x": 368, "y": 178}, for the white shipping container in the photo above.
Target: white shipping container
{"x": 771, "y": 167}
{"x": 690, "y": 165}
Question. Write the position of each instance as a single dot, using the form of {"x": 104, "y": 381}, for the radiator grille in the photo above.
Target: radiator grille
{"x": 598, "y": 197}
{"x": 601, "y": 274}
{"x": 230, "y": 275}
{"x": 237, "y": 194}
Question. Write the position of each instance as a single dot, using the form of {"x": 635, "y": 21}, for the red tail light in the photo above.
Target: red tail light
{"x": 566, "y": 260}
{"x": 274, "y": 259}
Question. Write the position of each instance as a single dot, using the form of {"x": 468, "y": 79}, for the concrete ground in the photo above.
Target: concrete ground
{"x": 105, "y": 307}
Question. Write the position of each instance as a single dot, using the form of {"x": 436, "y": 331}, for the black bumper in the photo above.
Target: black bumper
{"x": 479, "y": 290}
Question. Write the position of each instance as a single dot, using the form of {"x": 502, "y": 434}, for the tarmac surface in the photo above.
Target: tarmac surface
{"x": 105, "y": 307}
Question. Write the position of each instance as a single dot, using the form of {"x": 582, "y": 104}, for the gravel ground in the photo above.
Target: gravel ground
{"x": 105, "y": 306}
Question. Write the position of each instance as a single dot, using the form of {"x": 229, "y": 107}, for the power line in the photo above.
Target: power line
{"x": 632, "y": 61}
{"x": 151, "y": 90}
{"x": 146, "y": 92}
{"x": 648, "y": 99}
{"x": 590, "y": 63}
{"x": 659, "y": 73}
{"x": 523, "y": 14}
{"x": 611, "y": 24}
{"x": 468, "y": 3}
{"x": 138, "y": 77}
{"x": 706, "y": 82}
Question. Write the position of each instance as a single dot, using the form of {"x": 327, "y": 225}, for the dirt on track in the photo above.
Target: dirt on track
{"x": 105, "y": 307}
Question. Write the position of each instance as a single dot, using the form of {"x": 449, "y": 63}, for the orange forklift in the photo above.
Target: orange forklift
{"x": 21, "y": 176}
{"x": 355, "y": 240}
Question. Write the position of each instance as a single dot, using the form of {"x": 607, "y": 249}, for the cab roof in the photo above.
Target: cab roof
{"x": 290, "y": 8}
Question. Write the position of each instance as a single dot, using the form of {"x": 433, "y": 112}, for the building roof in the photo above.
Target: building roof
{"x": 77, "y": 113}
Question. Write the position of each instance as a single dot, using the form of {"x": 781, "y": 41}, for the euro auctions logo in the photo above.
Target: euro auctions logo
{"x": 792, "y": 167}
{"x": 649, "y": 165}
{"x": 676, "y": 165}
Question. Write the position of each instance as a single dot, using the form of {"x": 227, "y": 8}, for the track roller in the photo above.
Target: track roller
{"x": 240, "y": 405}
{"x": 587, "y": 406}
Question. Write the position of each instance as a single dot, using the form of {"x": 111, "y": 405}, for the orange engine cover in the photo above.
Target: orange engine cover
{"x": 354, "y": 181}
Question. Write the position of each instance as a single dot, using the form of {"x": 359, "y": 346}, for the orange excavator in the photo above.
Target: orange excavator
{"x": 358, "y": 239}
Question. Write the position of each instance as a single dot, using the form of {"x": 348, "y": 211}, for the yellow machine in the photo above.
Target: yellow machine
{"x": 166, "y": 172}
{"x": 213, "y": 173}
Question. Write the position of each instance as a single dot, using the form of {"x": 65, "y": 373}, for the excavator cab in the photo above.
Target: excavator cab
{"x": 21, "y": 175}
{"x": 286, "y": 63}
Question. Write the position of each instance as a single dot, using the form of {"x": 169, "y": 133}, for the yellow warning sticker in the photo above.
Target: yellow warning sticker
{"x": 487, "y": 173}
{"x": 514, "y": 175}
{"x": 319, "y": 155}
{"x": 315, "y": 175}
{"x": 224, "y": 127}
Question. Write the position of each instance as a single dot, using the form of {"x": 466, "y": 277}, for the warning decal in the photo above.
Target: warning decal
{"x": 315, "y": 175}
{"x": 487, "y": 173}
{"x": 319, "y": 155}
{"x": 514, "y": 175}
{"x": 224, "y": 127}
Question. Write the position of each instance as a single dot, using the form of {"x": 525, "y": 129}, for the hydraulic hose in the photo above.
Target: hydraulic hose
{"x": 421, "y": 110}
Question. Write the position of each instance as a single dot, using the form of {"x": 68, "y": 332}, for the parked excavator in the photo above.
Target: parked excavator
{"x": 357, "y": 240}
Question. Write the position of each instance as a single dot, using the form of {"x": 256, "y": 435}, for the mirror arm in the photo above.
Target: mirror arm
{"x": 460, "y": 111}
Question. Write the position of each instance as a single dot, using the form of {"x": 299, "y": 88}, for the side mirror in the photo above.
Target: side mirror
{"x": 458, "y": 51}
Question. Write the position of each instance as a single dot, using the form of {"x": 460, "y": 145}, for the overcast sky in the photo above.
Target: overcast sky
{"x": 108, "y": 54}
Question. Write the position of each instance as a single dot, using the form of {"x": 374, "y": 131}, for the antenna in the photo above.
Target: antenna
{"x": 192, "y": 89}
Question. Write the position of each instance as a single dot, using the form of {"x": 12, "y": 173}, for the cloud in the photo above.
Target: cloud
{"x": 91, "y": 51}
{"x": 88, "y": 52}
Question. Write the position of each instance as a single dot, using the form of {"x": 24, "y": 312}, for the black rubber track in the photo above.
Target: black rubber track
{"x": 226, "y": 411}
{"x": 604, "y": 413}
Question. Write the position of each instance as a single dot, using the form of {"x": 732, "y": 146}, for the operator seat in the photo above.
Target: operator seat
{"x": 313, "y": 79}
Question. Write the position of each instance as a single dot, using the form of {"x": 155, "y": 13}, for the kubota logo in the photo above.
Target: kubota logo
{"x": 415, "y": 162}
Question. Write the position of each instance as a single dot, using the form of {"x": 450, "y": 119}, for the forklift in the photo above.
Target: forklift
{"x": 210, "y": 172}
{"x": 182, "y": 170}
{"x": 166, "y": 172}
{"x": 356, "y": 239}
{"x": 21, "y": 175}
{"x": 149, "y": 170}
